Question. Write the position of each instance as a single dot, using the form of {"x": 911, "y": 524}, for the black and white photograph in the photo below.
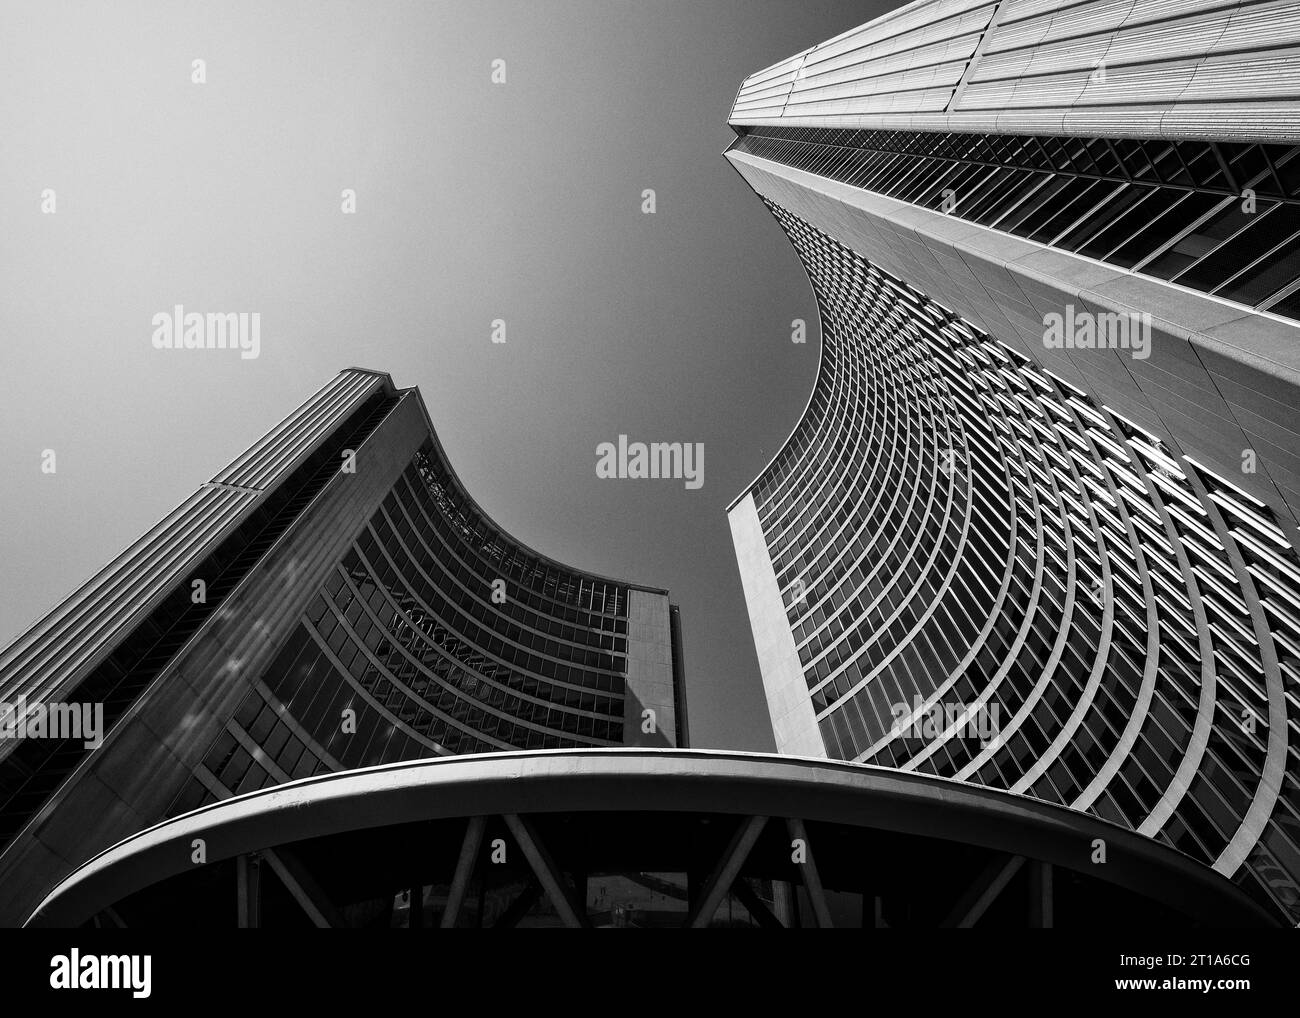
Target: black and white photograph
{"x": 734, "y": 464}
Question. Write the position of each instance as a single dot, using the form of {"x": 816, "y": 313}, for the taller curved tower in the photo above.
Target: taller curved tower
{"x": 1036, "y": 528}
{"x": 331, "y": 600}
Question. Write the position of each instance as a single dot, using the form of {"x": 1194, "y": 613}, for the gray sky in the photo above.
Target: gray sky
{"x": 475, "y": 202}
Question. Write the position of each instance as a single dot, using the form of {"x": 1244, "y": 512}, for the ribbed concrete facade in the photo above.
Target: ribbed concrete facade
{"x": 331, "y": 600}
{"x": 1114, "y": 68}
{"x": 1066, "y": 570}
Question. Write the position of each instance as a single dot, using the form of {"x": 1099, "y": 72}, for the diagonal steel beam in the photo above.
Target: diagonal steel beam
{"x": 304, "y": 889}
{"x": 981, "y": 894}
{"x": 724, "y": 874}
{"x": 509, "y": 919}
{"x": 1224, "y": 167}
{"x": 552, "y": 880}
{"x": 812, "y": 881}
{"x": 464, "y": 870}
{"x": 756, "y": 906}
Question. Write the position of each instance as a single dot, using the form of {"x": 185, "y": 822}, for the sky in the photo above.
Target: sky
{"x": 474, "y": 201}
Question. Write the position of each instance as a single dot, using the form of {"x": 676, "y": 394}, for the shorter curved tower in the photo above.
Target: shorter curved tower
{"x": 333, "y": 599}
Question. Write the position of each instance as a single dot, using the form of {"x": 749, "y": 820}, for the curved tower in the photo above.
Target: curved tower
{"x": 1036, "y": 528}
{"x": 333, "y": 599}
